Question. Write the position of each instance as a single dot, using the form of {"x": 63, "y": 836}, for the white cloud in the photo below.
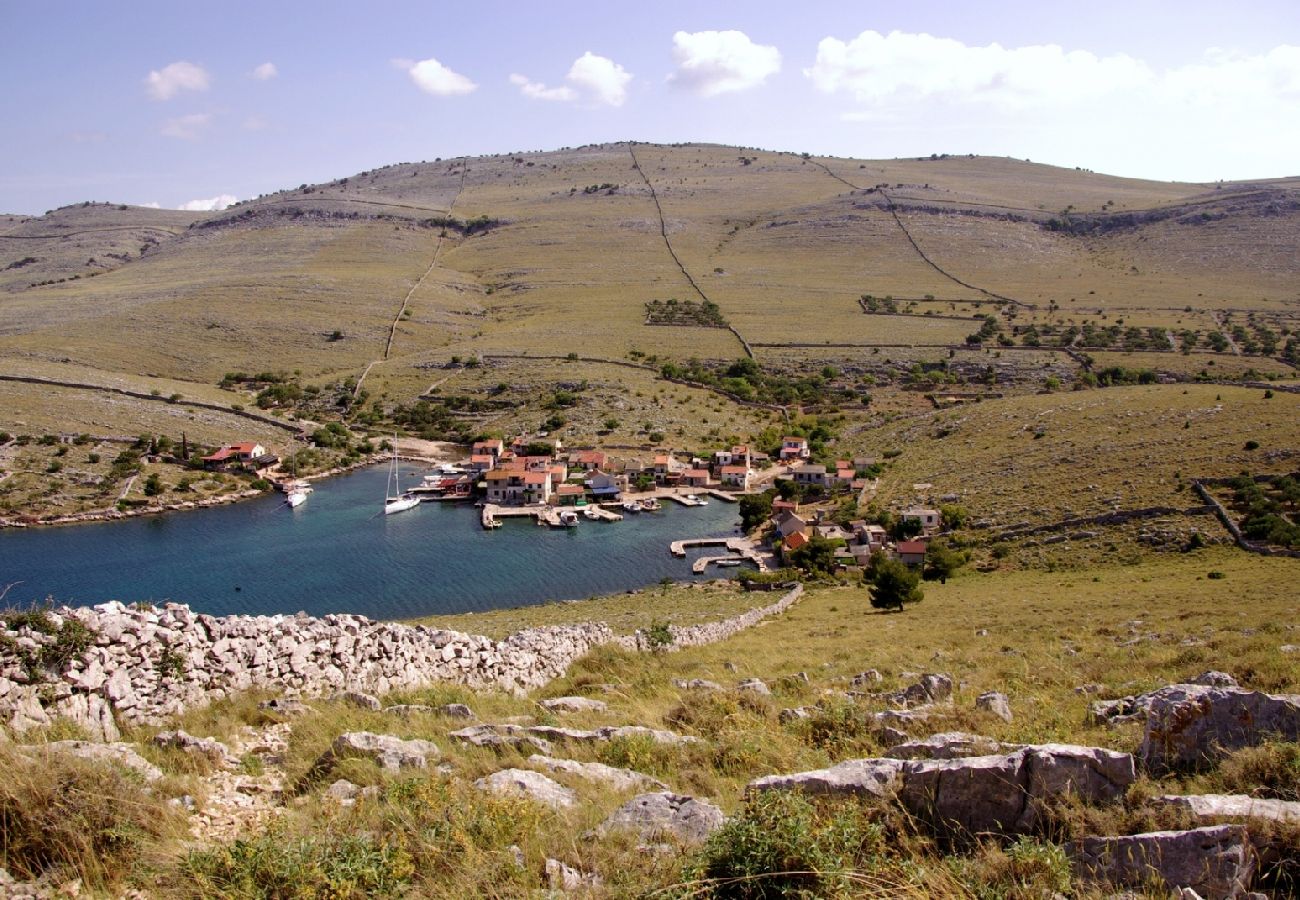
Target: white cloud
{"x": 538, "y": 91}
{"x": 265, "y": 72}
{"x": 717, "y": 62}
{"x": 434, "y": 78}
{"x": 152, "y": 204}
{"x": 593, "y": 79}
{"x": 165, "y": 83}
{"x": 211, "y": 204}
{"x": 604, "y": 80}
{"x": 186, "y": 128}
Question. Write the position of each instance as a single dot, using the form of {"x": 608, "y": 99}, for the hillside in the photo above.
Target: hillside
{"x": 860, "y": 286}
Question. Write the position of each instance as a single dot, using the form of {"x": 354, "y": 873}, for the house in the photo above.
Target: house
{"x": 248, "y": 454}
{"x": 810, "y": 473}
{"x": 589, "y": 460}
{"x": 505, "y": 486}
{"x": 794, "y": 448}
{"x": 831, "y": 532}
{"x": 568, "y": 494}
{"x": 929, "y": 518}
{"x": 788, "y": 523}
{"x": 844, "y": 476}
{"x": 735, "y": 477}
{"x": 666, "y": 470}
{"x": 481, "y": 462}
{"x": 779, "y": 506}
{"x": 796, "y": 540}
{"x": 493, "y": 449}
{"x": 537, "y": 487}
{"x": 696, "y": 478}
{"x": 604, "y": 486}
{"x": 911, "y": 553}
{"x": 735, "y": 456}
{"x": 873, "y": 536}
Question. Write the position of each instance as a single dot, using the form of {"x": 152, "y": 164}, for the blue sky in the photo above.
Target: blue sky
{"x": 175, "y": 103}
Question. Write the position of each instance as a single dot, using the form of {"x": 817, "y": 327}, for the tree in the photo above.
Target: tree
{"x": 815, "y": 557}
{"x": 954, "y": 517}
{"x": 892, "y": 584}
{"x": 755, "y": 509}
{"x": 941, "y": 561}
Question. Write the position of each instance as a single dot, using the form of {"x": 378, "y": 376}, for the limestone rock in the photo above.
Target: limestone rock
{"x": 945, "y": 745}
{"x": 359, "y": 700}
{"x": 565, "y": 878}
{"x": 619, "y": 779}
{"x": 1209, "y": 807}
{"x": 118, "y": 753}
{"x": 696, "y": 684}
{"x": 456, "y": 711}
{"x": 931, "y": 688}
{"x": 211, "y": 748}
{"x": 1217, "y": 862}
{"x": 755, "y": 686}
{"x": 389, "y": 752}
{"x": 282, "y": 706}
{"x": 871, "y": 676}
{"x": 1214, "y": 679}
{"x": 533, "y": 785}
{"x": 573, "y": 704}
{"x": 661, "y": 814}
{"x": 342, "y": 792}
{"x": 996, "y": 703}
{"x": 406, "y": 710}
{"x": 92, "y": 712}
{"x": 500, "y": 736}
{"x": 1188, "y": 725}
{"x": 854, "y": 777}
{"x": 786, "y": 716}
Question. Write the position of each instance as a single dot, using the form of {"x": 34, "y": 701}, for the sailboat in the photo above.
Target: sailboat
{"x": 297, "y": 491}
{"x": 394, "y": 500}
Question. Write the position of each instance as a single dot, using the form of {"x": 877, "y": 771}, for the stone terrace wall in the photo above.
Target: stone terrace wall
{"x": 145, "y": 665}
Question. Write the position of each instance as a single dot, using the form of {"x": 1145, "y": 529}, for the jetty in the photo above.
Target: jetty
{"x": 600, "y": 513}
{"x": 740, "y": 547}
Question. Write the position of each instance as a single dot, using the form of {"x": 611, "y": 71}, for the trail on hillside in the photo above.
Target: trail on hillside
{"x": 663, "y": 231}
{"x": 893, "y": 211}
{"x": 437, "y": 253}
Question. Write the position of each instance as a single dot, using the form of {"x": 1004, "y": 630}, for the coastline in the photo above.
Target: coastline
{"x": 113, "y": 514}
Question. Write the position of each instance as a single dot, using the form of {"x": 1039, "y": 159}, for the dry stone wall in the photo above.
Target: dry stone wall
{"x": 144, "y": 665}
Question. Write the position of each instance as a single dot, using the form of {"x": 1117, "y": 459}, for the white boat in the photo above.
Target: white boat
{"x": 650, "y": 504}
{"x": 568, "y": 518}
{"x": 395, "y": 501}
{"x": 295, "y": 491}
{"x": 296, "y": 496}
{"x": 631, "y": 506}
{"x": 693, "y": 500}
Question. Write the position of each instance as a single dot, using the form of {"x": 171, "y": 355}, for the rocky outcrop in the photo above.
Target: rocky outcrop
{"x": 1212, "y": 807}
{"x": 120, "y": 754}
{"x": 391, "y": 753}
{"x": 664, "y": 814}
{"x": 146, "y": 664}
{"x": 854, "y": 777}
{"x": 995, "y": 703}
{"x": 1189, "y": 725}
{"x": 618, "y": 779}
{"x": 573, "y": 705}
{"x": 527, "y": 783}
{"x": 209, "y": 748}
{"x": 1216, "y": 862}
{"x": 945, "y": 745}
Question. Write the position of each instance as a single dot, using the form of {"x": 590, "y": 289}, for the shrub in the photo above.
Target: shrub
{"x": 783, "y": 845}
{"x": 659, "y": 636}
{"x": 893, "y": 584}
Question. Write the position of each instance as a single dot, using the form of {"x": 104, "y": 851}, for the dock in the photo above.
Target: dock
{"x": 740, "y": 547}
{"x": 704, "y": 562}
{"x": 599, "y": 513}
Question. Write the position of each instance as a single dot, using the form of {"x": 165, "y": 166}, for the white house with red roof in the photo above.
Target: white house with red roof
{"x": 794, "y": 448}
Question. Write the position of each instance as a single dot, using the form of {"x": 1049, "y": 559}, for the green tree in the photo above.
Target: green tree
{"x": 153, "y": 486}
{"x": 755, "y": 509}
{"x": 893, "y": 584}
{"x": 941, "y": 561}
{"x": 815, "y": 557}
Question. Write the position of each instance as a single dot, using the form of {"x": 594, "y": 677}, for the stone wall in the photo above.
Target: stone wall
{"x": 144, "y": 665}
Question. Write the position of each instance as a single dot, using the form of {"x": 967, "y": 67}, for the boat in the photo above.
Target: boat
{"x": 394, "y": 500}
{"x": 590, "y": 513}
{"x": 650, "y": 504}
{"x": 295, "y": 491}
{"x": 568, "y": 518}
{"x": 631, "y": 506}
{"x": 693, "y": 500}
{"x": 728, "y": 563}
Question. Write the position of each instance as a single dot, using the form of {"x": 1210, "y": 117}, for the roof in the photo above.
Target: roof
{"x": 920, "y": 511}
{"x": 811, "y": 469}
{"x": 537, "y": 477}
{"x": 779, "y": 504}
{"x": 245, "y": 447}
{"x": 696, "y": 473}
{"x": 661, "y": 460}
{"x": 481, "y": 458}
{"x": 794, "y": 440}
{"x": 590, "y": 456}
{"x": 795, "y": 540}
{"x": 846, "y": 474}
{"x": 487, "y": 445}
{"x": 911, "y": 546}
{"x": 735, "y": 470}
{"x": 223, "y": 453}
{"x": 740, "y": 450}
{"x": 499, "y": 475}
{"x": 569, "y": 490}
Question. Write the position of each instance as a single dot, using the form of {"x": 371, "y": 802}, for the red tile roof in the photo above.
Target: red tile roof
{"x": 795, "y": 540}
{"x": 911, "y": 546}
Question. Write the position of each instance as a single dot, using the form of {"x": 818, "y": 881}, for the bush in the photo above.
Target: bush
{"x": 893, "y": 584}
{"x": 783, "y": 845}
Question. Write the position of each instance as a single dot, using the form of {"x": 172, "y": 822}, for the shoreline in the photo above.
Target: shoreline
{"x": 113, "y": 514}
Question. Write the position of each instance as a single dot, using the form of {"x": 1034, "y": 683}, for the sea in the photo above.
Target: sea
{"x": 338, "y": 553}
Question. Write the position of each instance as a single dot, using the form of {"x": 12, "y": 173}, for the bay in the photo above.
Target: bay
{"x": 333, "y": 554}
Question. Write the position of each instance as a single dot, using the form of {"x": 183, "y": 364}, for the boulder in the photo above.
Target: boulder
{"x": 854, "y": 777}
{"x": 657, "y": 815}
{"x": 210, "y": 748}
{"x": 282, "y": 706}
{"x": 945, "y": 745}
{"x": 1189, "y": 725}
{"x": 871, "y": 676}
{"x": 499, "y": 736}
{"x": 696, "y": 684}
{"x": 786, "y": 716}
{"x": 406, "y": 710}
{"x": 573, "y": 704}
{"x": 657, "y": 735}
{"x": 1214, "y": 679}
{"x": 92, "y": 712}
{"x": 359, "y": 700}
{"x": 618, "y": 779}
{"x": 391, "y": 753}
{"x": 755, "y": 686}
{"x": 566, "y": 879}
{"x": 121, "y": 754}
{"x": 456, "y": 711}
{"x": 1216, "y": 862}
{"x": 931, "y": 688}
{"x": 527, "y": 783}
{"x": 995, "y": 703}
{"x": 1212, "y": 807}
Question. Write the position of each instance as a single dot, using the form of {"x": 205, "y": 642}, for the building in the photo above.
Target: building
{"x": 735, "y": 477}
{"x": 929, "y": 518}
{"x": 493, "y": 449}
{"x": 568, "y": 494}
{"x": 248, "y": 454}
{"x": 505, "y": 487}
{"x": 911, "y": 553}
{"x": 811, "y": 473}
{"x": 605, "y": 487}
{"x": 794, "y": 448}
{"x": 787, "y": 523}
{"x": 696, "y": 478}
{"x": 796, "y": 540}
{"x": 537, "y": 487}
{"x": 589, "y": 460}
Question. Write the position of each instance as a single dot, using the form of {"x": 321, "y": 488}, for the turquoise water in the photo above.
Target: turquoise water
{"x": 334, "y": 554}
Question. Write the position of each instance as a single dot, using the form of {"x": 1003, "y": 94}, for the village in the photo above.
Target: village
{"x": 792, "y": 509}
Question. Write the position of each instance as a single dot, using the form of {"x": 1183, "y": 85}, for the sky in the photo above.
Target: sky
{"x": 188, "y": 105}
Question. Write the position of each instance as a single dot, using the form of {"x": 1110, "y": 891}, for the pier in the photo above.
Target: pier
{"x": 740, "y": 547}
